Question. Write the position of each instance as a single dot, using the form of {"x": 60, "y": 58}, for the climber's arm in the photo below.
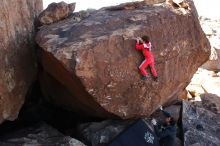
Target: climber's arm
{"x": 139, "y": 46}
{"x": 167, "y": 114}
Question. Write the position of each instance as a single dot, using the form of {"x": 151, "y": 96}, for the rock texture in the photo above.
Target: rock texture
{"x": 17, "y": 60}
{"x": 201, "y": 122}
{"x": 91, "y": 66}
{"x": 101, "y": 133}
{"x": 212, "y": 30}
{"x": 56, "y": 12}
{"x": 150, "y": 2}
{"x": 79, "y": 16}
{"x": 211, "y": 102}
{"x": 38, "y": 135}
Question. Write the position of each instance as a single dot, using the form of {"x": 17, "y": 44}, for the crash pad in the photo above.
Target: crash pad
{"x": 137, "y": 134}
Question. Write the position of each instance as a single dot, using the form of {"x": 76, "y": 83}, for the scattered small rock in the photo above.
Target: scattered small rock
{"x": 78, "y": 16}
{"x": 56, "y": 12}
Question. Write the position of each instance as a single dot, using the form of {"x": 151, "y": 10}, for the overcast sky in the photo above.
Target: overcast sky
{"x": 208, "y": 8}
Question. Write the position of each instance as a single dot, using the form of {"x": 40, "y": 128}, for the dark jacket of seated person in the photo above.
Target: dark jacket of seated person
{"x": 167, "y": 131}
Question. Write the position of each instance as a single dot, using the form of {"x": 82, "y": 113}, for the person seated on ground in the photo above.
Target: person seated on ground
{"x": 166, "y": 131}
{"x": 143, "y": 44}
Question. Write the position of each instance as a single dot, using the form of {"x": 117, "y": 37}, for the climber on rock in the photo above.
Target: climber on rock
{"x": 143, "y": 44}
{"x": 166, "y": 131}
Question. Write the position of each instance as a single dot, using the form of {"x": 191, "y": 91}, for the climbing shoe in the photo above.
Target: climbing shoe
{"x": 156, "y": 78}
{"x": 144, "y": 77}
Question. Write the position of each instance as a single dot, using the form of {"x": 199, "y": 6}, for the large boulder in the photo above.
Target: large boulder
{"x": 91, "y": 66}
{"x": 17, "y": 60}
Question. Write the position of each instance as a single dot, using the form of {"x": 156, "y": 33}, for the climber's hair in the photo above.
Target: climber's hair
{"x": 172, "y": 121}
{"x": 146, "y": 38}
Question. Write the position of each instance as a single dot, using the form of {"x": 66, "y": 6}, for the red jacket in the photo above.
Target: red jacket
{"x": 146, "y": 49}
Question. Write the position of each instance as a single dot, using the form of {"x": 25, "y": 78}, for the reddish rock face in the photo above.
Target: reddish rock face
{"x": 91, "y": 66}
{"x": 56, "y": 12}
{"x": 17, "y": 61}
